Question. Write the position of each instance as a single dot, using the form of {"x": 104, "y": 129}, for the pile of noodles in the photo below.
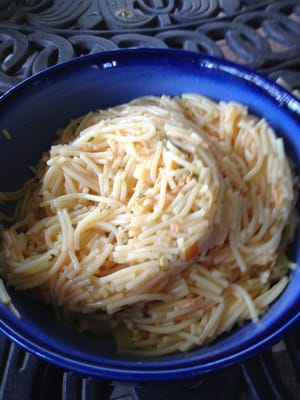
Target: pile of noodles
{"x": 164, "y": 216}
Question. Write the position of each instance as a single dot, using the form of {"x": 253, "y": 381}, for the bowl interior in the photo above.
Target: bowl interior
{"x": 34, "y": 111}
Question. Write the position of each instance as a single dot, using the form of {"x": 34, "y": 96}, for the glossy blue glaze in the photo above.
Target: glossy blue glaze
{"x": 36, "y": 108}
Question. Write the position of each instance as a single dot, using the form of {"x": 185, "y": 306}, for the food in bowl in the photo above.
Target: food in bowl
{"x": 166, "y": 217}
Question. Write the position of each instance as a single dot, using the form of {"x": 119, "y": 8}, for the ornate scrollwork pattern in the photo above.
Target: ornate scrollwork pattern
{"x": 262, "y": 34}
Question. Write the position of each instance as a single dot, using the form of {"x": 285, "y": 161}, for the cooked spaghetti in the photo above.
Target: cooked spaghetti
{"x": 165, "y": 215}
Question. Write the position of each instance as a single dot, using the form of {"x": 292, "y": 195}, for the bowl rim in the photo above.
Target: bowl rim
{"x": 135, "y": 371}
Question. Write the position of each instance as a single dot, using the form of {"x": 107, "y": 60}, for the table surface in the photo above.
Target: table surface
{"x": 262, "y": 34}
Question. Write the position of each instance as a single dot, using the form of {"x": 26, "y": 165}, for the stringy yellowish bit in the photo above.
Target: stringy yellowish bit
{"x": 6, "y": 134}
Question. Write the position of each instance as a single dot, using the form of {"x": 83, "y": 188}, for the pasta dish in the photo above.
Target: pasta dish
{"x": 166, "y": 217}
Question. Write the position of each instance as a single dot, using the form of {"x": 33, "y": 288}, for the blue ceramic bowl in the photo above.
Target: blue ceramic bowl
{"x": 36, "y": 108}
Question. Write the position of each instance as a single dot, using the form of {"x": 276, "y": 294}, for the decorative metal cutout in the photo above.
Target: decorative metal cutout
{"x": 36, "y": 34}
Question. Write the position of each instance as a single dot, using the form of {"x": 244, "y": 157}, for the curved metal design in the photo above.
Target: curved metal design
{"x": 37, "y": 34}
